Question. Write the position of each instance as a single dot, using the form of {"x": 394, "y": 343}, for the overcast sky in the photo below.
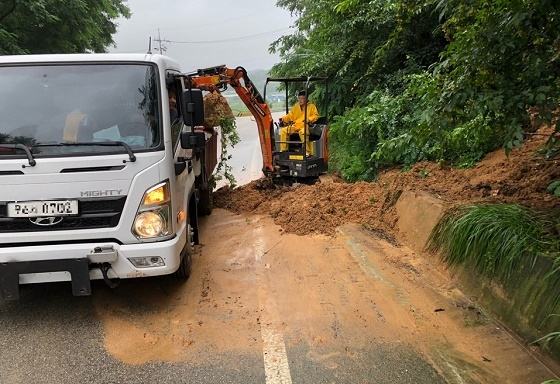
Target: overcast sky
{"x": 205, "y": 33}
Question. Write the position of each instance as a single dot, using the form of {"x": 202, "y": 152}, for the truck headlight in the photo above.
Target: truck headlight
{"x": 149, "y": 224}
{"x": 152, "y": 219}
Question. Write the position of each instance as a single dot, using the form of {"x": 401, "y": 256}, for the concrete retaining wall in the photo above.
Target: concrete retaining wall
{"x": 522, "y": 303}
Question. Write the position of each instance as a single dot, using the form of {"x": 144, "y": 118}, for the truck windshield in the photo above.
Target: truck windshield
{"x": 89, "y": 103}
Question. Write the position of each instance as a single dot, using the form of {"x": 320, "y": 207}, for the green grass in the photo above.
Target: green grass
{"x": 493, "y": 239}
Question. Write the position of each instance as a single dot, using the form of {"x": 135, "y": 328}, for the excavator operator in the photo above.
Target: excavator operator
{"x": 299, "y": 125}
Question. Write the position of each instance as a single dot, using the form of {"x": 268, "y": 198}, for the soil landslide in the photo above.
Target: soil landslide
{"x": 522, "y": 178}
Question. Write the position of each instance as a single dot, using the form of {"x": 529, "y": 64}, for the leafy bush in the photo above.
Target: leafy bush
{"x": 416, "y": 139}
{"x": 403, "y": 129}
{"x": 502, "y": 59}
{"x": 357, "y": 134}
{"x": 229, "y": 138}
{"x": 493, "y": 238}
{"x": 52, "y": 26}
{"x": 554, "y": 187}
{"x": 352, "y": 140}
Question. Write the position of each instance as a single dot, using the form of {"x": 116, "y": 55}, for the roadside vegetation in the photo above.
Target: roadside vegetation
{"x": 494, "y": 240}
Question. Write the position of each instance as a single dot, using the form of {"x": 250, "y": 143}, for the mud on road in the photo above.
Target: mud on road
{"x": 355, "y": 306}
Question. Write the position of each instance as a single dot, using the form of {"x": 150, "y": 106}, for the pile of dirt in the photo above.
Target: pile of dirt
{"x": 522, "y": 178}
{"x": 215, "y": 108}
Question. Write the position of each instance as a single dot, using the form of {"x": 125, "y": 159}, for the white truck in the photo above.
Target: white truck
{"x": 96, "y": 181}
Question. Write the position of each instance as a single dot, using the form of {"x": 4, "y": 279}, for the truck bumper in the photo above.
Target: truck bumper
{"x": 78, "y": 263}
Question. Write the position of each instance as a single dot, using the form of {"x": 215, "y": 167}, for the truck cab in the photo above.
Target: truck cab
{"x": 97, "y": 181}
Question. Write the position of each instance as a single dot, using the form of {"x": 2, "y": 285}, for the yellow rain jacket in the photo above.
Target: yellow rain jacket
{"x": 296, "y": 116}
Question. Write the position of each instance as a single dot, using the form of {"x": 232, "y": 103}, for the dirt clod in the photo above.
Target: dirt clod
{"x": 215, "y": 108}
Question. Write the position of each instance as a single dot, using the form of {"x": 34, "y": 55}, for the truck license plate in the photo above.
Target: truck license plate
{"x": 43, "y": 208}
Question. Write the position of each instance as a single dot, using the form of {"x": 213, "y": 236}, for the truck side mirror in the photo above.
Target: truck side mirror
{"x": 192, "y": 107}
{"x": 193, "y": 140}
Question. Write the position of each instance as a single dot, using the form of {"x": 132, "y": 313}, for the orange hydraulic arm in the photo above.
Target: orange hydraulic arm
{"x": 217, "y": 79}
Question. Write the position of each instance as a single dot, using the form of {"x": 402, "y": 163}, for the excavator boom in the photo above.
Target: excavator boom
{"x": 217, "y": 79}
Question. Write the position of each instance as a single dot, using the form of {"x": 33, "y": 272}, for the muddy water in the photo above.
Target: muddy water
{"x": 349, "y": 308}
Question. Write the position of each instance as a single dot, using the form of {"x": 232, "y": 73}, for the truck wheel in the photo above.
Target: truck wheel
{"x": 205, "y": 202}
{"x": 184, "y": 270}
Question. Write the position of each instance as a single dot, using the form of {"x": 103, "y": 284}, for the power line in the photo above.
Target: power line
{"x": 235, "y": 39}
{"x": 161, "y": 48}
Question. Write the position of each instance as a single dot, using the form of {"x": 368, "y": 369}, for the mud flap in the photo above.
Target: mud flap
{"x": 78, "y": 268}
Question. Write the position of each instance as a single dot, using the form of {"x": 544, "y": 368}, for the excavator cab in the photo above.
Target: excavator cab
{"x": 293, "y": 164}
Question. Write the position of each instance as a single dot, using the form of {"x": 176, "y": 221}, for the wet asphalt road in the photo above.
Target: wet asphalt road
{"x": 49, "y": 336}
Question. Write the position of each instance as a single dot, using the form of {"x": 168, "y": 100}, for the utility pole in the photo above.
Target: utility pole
{"x": 161, "y": 48}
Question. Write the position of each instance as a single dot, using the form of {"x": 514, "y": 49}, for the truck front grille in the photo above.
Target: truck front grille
{"x": 94, "y": 213}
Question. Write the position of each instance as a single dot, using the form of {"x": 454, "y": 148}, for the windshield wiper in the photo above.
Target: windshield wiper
{"x": 30, "y": 158}
{"x": 90, "y": 144}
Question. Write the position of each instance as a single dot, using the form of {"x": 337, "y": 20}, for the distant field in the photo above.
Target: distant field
{"x": 239, "y": 109}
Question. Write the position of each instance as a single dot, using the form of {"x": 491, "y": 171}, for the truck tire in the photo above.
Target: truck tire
{"x": 205, "y": 202}
{"x": 185, "y": 267}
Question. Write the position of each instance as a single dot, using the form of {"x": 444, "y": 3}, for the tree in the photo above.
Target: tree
{"x": 58, "y": 26}
{"x": 361, "y": 45}
{"x": 503, "y": 58}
